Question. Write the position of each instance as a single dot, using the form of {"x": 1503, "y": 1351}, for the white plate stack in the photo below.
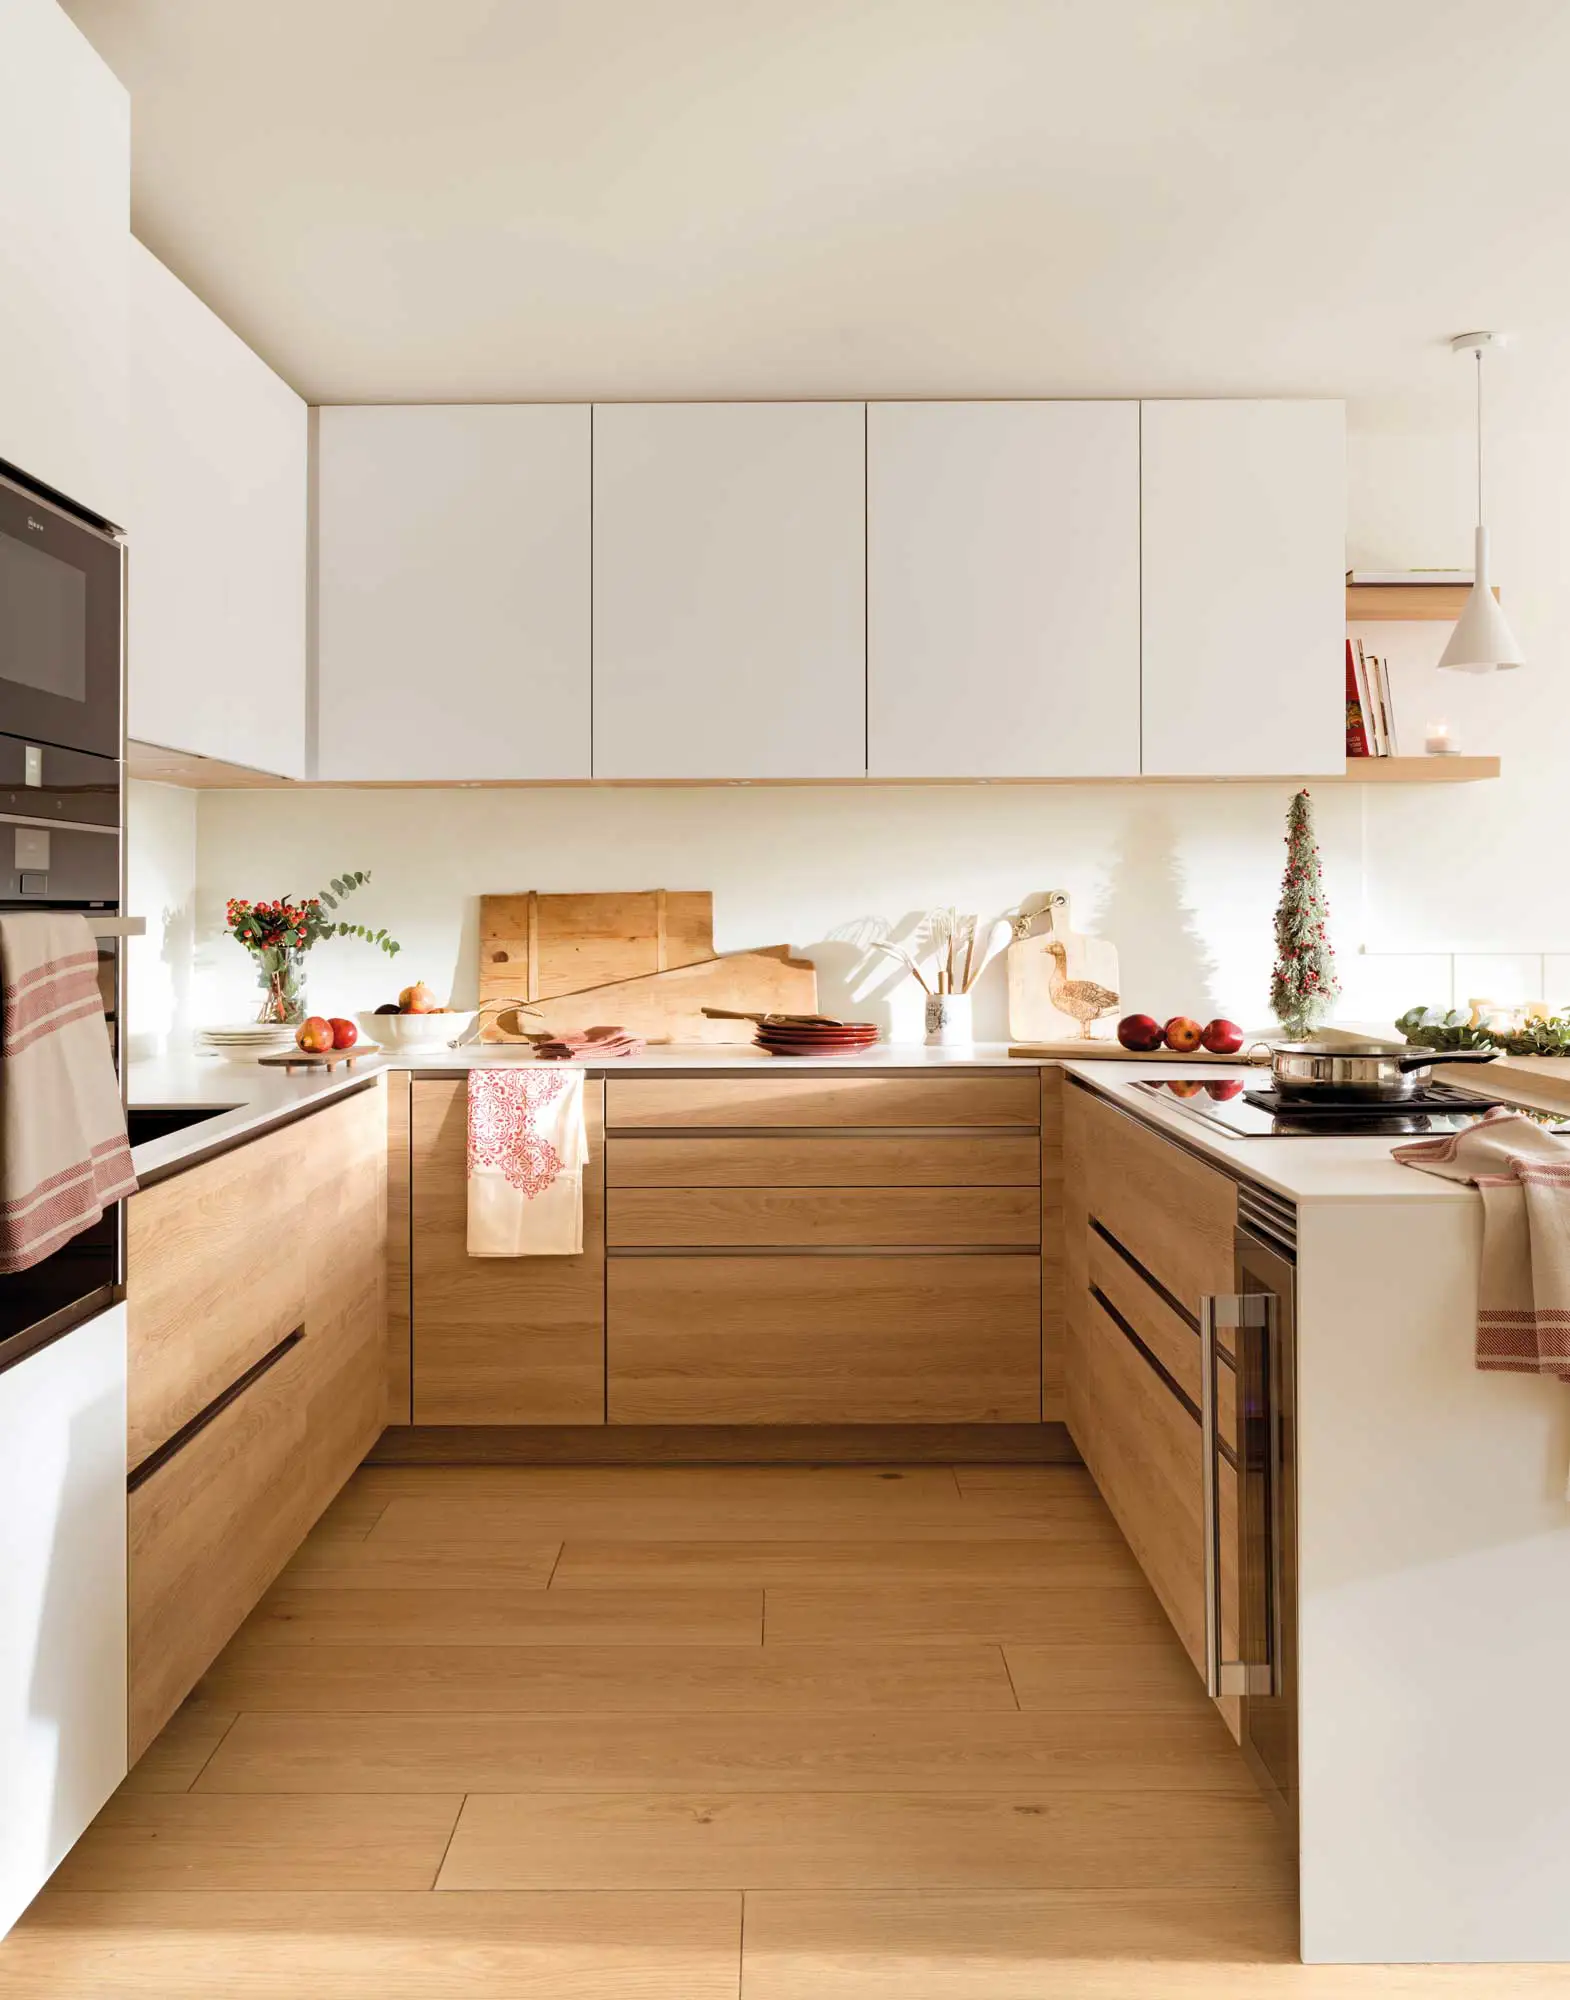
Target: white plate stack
{"x": 244, "y": 1041}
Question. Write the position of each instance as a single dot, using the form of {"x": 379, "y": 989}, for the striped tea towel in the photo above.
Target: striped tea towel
{"x": 528, "y": 1145}
{"x": 1522, "y": 1171}
{"x": 64, "y": 1156}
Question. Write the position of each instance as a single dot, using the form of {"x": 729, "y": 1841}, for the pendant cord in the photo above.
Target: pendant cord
{"x": 1480, "y": 437}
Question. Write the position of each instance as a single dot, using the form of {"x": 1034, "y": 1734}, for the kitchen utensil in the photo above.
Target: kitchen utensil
{"x": 407, "y": 1034}
{"x": 1358, "y": 1073}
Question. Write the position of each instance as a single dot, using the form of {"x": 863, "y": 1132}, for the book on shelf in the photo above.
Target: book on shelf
{"x": 1373, "y": 684}
{"x": 1356, "y": 726}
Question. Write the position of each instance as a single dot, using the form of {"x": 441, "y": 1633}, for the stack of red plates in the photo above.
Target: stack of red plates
{"x": 815, "y": 1038}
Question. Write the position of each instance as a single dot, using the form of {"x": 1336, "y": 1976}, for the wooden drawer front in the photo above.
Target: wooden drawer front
{"x": 1143, "y": 1450}
{"x": 831, "y": 1339}
{"x": 817, "y": 1098}
{"x": 832, "y": 1160}
{"x": 212, "y": 1281}
{"x": 817, "y": 1218}
{"x": 1170, "y": 1338}
{"x": 499, "y": 1340}
{"x": 1171, "y": 1212}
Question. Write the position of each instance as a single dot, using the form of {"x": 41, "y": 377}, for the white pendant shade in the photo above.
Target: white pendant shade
{"x": 1482, "y": 642}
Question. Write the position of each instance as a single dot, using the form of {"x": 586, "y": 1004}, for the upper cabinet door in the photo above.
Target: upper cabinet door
{"x": 65, "y": 222}
{"x": 1002, "y": 590}
{"x": 219, "y": 481}
{"x": 1244, "y": 533}
{"x": 729, "y": 590}
{"x": 453, "y": 591}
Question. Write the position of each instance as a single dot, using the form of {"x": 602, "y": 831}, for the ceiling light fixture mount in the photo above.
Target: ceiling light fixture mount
{"x": 1482, "y": 642}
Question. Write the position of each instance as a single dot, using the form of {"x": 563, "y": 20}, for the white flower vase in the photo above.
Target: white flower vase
{"x": 949, "y": 1021}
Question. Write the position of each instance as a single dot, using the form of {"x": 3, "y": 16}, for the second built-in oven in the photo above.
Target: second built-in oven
{"x": 60, "y": 617}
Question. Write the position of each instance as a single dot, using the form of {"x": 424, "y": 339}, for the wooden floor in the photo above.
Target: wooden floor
{"x": 688, "y": 1735}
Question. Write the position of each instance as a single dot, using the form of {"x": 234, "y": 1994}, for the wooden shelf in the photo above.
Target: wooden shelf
{"x": 1410, "y": 603}
{"x": 1419, "y": 770}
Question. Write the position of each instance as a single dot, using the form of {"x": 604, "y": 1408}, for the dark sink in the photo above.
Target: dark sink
{"x": 157, "y": 1121}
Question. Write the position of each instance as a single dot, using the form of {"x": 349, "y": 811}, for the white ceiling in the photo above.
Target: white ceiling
{"x": 497, "y": 199}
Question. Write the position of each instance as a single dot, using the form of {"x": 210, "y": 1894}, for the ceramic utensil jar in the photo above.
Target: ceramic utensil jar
{"x": 949, "y": 1021}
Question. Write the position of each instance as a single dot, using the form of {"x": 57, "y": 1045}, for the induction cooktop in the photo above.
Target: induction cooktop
{"x": 1243, "y": 1110}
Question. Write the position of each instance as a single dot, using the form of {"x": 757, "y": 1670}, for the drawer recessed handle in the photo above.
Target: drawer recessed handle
{"x": 171, "y": 1447}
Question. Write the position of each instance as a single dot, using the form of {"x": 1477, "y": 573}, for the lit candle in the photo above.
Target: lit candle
{"x": 1438, "y": 743}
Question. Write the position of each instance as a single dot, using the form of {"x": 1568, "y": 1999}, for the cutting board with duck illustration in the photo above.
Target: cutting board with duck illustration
{"x": 1060, "y": 979}
{"x": 637, "y": 959}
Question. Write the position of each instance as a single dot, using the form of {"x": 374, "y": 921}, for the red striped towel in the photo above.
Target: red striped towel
{"x": 1522, "y": 1171}
{"x": 589, "y": 1045}
{"x": 64, "y": 1157}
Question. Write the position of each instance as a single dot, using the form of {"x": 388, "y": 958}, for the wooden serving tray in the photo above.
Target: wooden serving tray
{"x": 1115, "y": 1052}
{"x": 292, "y": 1059}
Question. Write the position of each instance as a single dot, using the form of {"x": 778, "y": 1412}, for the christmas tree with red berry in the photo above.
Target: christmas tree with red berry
{"x": 1304, "y": 986}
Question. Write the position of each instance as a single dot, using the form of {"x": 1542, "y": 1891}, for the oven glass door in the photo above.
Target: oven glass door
{"x": 59, "y": 627}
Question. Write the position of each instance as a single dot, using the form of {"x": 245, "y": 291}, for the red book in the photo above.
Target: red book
{"x": 1356, "y": 730}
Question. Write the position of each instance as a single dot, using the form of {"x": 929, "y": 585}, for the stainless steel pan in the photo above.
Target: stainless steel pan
{"x": 1358, "y": 1073}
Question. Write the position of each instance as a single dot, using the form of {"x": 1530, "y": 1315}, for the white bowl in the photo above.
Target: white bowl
{"x": 406, "y": 1034}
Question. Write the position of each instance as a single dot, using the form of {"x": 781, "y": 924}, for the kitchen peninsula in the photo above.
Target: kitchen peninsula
{"x": 991, "y": 1246}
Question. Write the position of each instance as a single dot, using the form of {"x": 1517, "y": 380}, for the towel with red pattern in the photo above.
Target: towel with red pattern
{"x": 1522, "y": 1171}
{"x": 528, "y": 1145}
{"x": 64, "y": 1156}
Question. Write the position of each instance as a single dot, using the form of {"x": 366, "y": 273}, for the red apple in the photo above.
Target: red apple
{"x": 417, "y": 999}
{"x": 315, "y": 1036}
{"x": 345, "y": 1033}
{"x": 1222, "y": 1038}
{"x": 1182, "y": 1035}
{"x": 1139, "y": 1031}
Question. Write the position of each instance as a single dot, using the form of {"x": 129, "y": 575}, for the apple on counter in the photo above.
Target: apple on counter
{"x": 345, "y": 1033}
{"x": 1182, "y": 1035}
{"x": 1222, "y": 1038}
{"x": 315, "y": 1036}
{"x": 1140, "y": 1031}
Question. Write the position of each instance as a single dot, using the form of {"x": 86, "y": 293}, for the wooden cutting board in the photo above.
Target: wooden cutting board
{"x": 1032, "y": 967}
{"x": 533, "y": 947}
{"x": 637, "y": 959}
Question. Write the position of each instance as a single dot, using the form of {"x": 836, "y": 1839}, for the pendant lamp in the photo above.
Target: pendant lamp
{"x": 1482, "y": 642}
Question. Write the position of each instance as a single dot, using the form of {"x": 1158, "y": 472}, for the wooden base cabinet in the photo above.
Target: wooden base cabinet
{"x": 899, "y": 1339}
{"x": 1148, "y": 1232}
{"x": 499, "y": 1340}
{"x": 218, "y": 1509}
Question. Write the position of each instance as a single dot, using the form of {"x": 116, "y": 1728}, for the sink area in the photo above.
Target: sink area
{"x": 157, "y": 1121}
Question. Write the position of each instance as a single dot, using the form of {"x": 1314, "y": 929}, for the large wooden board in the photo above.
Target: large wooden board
{"x": 536, "y": 947}
{"x": 1033, "y": 1015}
{"x": 668, "y": 1006}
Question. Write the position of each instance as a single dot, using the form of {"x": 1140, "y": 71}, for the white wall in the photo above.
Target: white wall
{"x": 160, "y": 886}
{"x": 1437, "y": 893}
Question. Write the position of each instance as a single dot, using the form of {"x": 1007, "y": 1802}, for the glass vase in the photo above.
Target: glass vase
{"x": 280, "y": 972}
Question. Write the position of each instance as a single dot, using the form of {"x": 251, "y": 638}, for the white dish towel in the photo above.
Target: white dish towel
{"x": 528, "y": 1146}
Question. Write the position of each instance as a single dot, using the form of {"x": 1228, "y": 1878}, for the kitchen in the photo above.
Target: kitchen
{"x": 806, "y": 1578}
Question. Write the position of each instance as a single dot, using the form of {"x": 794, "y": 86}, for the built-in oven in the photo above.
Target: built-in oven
{"x": 1260, "y": 1316}
{"x": 61, "y": 581}
{"x": 60, "y": 849}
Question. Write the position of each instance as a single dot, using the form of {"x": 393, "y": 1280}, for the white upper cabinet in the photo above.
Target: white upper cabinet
{"x": 65, "y": 171}
{"x": 729, "y": 590}
{"x": 453, "y": 608}
{"x": 217, "y": 536}
{"x": 1003, "y": 590}
{"x": 1244, "y": 539}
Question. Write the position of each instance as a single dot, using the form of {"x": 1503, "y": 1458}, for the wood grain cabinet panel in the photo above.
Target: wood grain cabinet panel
{"x": 858, "y": 1098}
{"x": 828, "y": 1160}
{"x": 212, "y": 1525}
{"x": 1170, "y": 1211}
{"x": 825, "y": 1339}
{"x": 500, "y": 1340}
{"x": 815, "y": 1218}
{"x": 211, "y": 1283}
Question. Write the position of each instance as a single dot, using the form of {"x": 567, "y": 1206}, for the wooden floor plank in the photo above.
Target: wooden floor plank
{"x": 686, "y": 1753}
{"x": 1082, "y": 1944}
{"x": 1119, "y": 1676}
{"x": 636, "y": 1486}
{"x": 453, "y": 1565}
{"x": 500, "y": 1617}
{"x": 154, "y": 1946}
{"x": 824, "y": 1613}
{"x": 592, "y": 1679}
{"x": 1031, "y": 1564}
{"x": 865, "y": 1840}
{"x": 191, "y": 1840}
{"x": 175, "y": 1759}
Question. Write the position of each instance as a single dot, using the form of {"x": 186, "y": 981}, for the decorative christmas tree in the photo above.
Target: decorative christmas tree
{"x": 1304, "y": 986}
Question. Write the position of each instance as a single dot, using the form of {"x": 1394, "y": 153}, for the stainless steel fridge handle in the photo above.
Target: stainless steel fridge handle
{"x": 1240, "y": 1312}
